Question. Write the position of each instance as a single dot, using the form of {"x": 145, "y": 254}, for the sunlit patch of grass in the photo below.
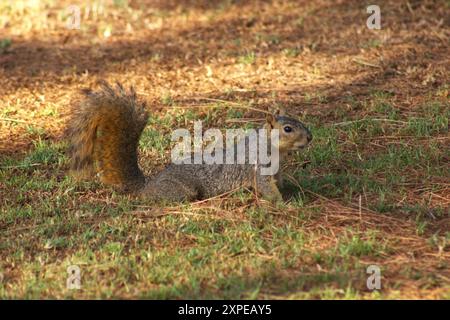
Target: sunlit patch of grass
{"x": 248, "y": 58}
{"x": 381, "y": 173}
{"x": 373, "y": 43}
{"x": 167, "y": 99}
{"x": 273, "y": 39}
{"x": 154, "y": 140}
{"x": 315, "y": 96}
{"x": 121, "y": 3}
{"x": 381, "y": 103}
{"x": 327, "y": 148}
{"x": 354, "y": 246}
{"x": 434, "y": 122}
{"x": 292, "y": 52}
{"x": 44, "y": 154}
{"x": 234, "y": 113}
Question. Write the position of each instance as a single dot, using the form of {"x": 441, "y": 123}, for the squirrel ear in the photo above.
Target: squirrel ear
{"x": 279, "y": 112}
{"x": 270, "y": 120}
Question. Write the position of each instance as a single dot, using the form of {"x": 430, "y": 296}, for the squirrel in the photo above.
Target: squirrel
{"x": 104, "y": 130}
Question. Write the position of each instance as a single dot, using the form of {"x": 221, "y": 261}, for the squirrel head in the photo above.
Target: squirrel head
{"x": 293, "y": 134}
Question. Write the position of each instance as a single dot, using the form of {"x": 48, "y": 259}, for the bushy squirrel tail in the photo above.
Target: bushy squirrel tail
{"x": 104, "y": 131}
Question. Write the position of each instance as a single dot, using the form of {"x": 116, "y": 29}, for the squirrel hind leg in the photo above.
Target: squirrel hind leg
{"x": 267, "y": 187}
{"x": 168, "y": 189}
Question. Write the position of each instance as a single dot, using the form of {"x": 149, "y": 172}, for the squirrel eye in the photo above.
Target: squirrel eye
{"x": 287, "y": 129}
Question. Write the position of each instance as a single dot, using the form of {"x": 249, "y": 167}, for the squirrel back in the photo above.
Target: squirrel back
{"x": 104, "y": 131}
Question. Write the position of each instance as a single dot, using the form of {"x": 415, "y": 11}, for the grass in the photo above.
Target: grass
{"x": 248, "y": 58}
{"x": 4, "y": 44}
{"x": 177, "y": 254}
{"x": 372, "y": 189}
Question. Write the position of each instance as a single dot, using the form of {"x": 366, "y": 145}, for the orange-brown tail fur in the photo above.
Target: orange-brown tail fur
{"x": 104, "y": 132}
